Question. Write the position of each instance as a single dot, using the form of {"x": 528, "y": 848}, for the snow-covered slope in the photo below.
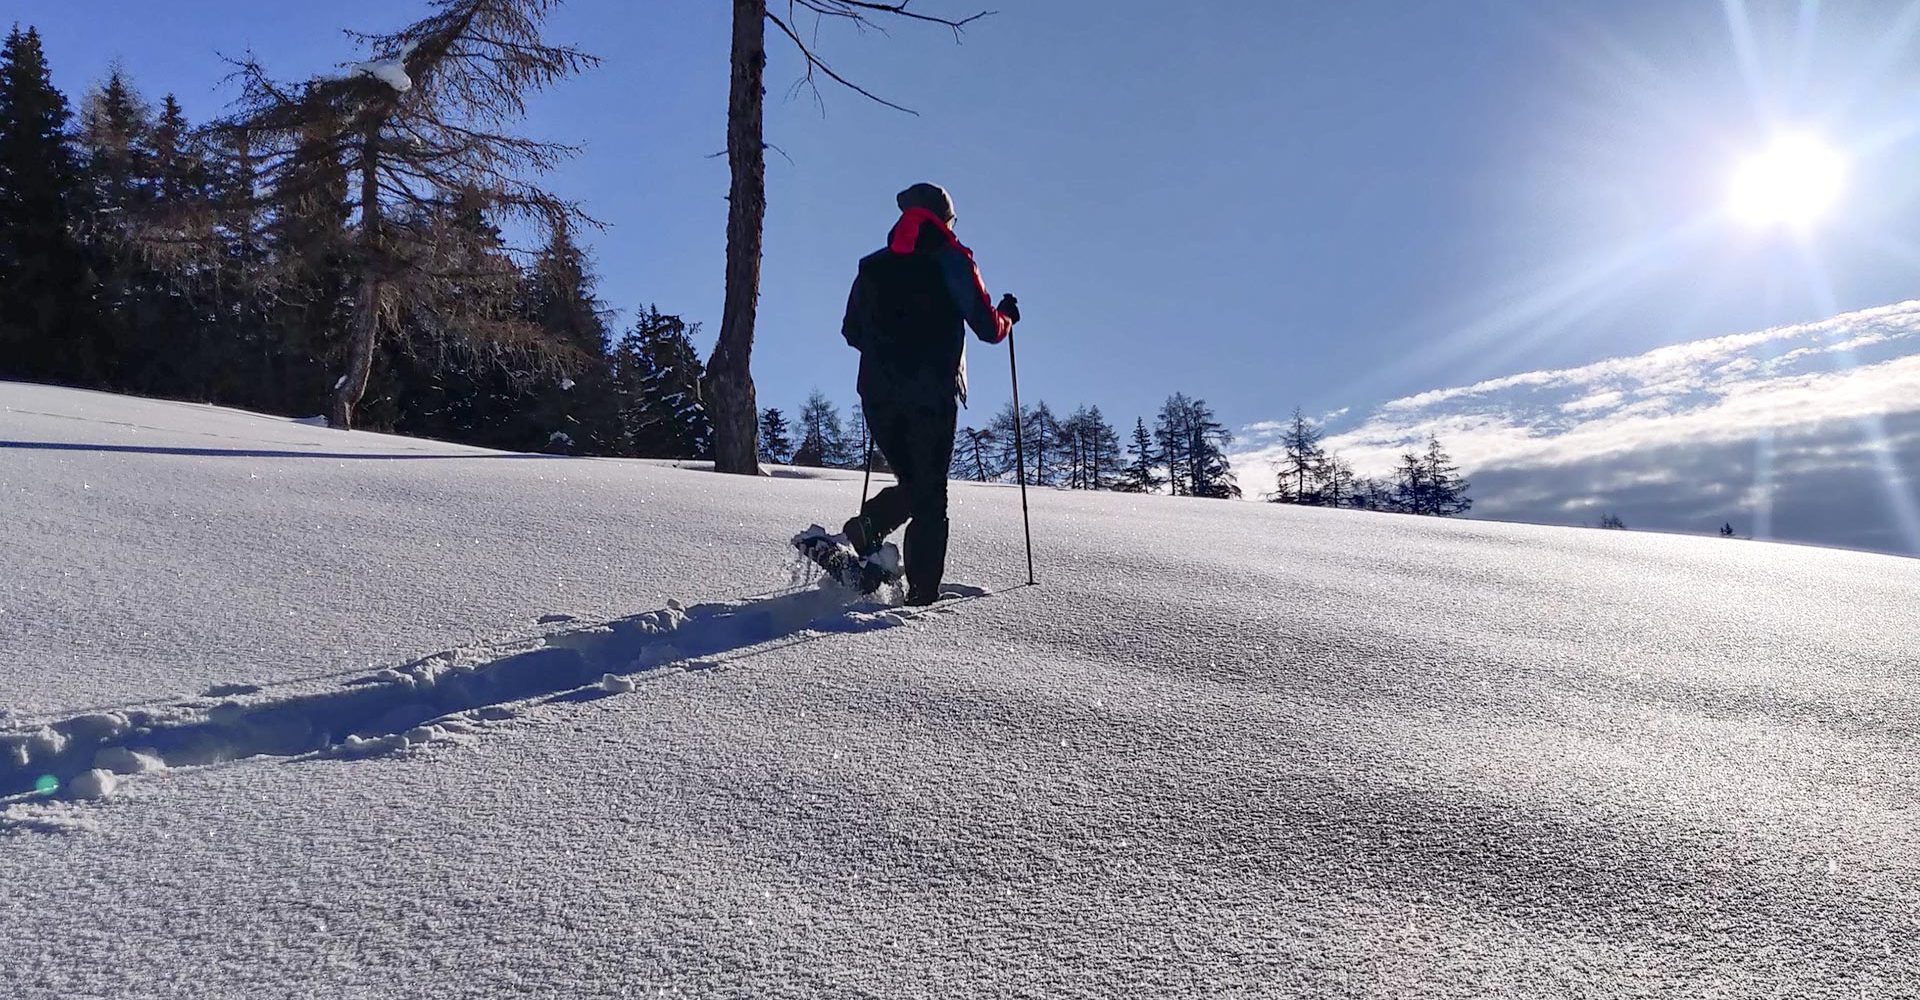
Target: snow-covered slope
{"x": 1222, "y": 750}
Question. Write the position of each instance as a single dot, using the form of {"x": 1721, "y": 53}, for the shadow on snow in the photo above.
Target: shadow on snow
{"x": 443, "y": 695}
{"x": 144, "y": 449}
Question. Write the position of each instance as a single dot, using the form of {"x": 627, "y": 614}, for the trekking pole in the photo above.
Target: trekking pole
{"x": 1020, "y": 455}
{"x": 866, "y": 479}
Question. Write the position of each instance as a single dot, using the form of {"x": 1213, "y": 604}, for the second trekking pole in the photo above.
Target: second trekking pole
{"x": 1020, "y": 454}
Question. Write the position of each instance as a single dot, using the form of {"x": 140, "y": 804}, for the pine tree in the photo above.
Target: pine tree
{"x": 1301, "y": 442}
{"x": 114, "y": 131}
{"x": 189, "y": 346}
{"x": 657, "y": 373}
{"x": 1411, "y": 492}
{"x": 570, "y": 405}
{"x": 173, "y": 161}
{"x": 1042, "y": 439}
{"x": 974, "y": 456}
{"x": 1045, "y": 446}
{"x": 776, "y": 444}
{"x": 1372, "y": 494}
{"x": 421, "y": 125}
{"x": 1093, "y": 450}
{"x": 1193, "y": 443}
{"x": 823, "y": 441}
{"x": 298, "y": 264}
{"x": 1175, "y": 443}
{"x": 1334, "y": 484}
{"x": 1447, "y": 492}
{"x": 119, "y": 191}
{"x": 1212, "y": 473}
{"x": 458, "y": 364}
{"x": 1008, "y": 449}
{"x": 1142, "y": 474}
{"x": 47, "y": 328}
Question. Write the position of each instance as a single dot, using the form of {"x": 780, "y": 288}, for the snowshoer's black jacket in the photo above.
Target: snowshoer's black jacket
{"x": 909, "y": 309}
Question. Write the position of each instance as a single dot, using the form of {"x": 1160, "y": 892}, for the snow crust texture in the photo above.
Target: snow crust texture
{"x": 1223, "y": 750}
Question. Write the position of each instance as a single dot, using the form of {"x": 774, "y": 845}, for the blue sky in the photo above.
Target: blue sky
{"x": 1264, "y": 204}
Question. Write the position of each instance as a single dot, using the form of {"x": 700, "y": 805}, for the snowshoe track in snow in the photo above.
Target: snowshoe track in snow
{"x": 448, "y": 695}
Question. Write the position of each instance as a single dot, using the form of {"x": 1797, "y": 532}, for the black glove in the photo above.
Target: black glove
{"x": 1009, "y": 307}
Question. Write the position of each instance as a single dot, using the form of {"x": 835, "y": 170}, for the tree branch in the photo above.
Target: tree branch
{"x": 814, "y": 62}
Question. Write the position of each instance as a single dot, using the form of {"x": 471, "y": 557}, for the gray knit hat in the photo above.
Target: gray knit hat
{"x": 931, "y": 197}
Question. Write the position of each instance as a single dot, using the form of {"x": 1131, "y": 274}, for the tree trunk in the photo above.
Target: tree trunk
{"x": 733, "y": 408}
{"x": 366, "y": 311}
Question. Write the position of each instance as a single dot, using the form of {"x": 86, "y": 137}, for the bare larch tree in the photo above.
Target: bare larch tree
{"x": 729, "y": 373}
{"x": 424, "y": 129}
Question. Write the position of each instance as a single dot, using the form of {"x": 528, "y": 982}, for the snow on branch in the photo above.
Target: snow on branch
{"x": 391, "y": 71}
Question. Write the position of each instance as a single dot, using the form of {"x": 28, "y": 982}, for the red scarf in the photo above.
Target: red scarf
{"x": 906, "y": 232}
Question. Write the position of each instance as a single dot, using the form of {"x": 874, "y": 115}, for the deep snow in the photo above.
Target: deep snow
{"x": 537, "y": 726}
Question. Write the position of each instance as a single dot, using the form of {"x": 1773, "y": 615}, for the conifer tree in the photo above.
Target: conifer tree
{"x": 570, "y": 406}
{"x": 47, "y": 327}
{"x": 1094, "y": 450}
{"x": 137, "y": 351}
{"x": 1212, "y": 473}
{"x": 1334, "y": 483}
{"x": 1411, "y": 492}
{"x": 114, "y": 131}
{"x": 823, "y": 440}
{"x": 1301, "y": 444}
{"x": 424, "y": 122}
{"x": 173, "y": 160}
{"x": 1142, "y": 473}
{"x": 1042, "y": 438}
{"x": 298, "y": 263}
{"x": 1171, "y": 437}
{"x": 1373, "y": 494}
{"x": 190, "y": 347}
{"x": 1446, "y": 491}
{"x": 1193, "y": 443}
{"x": 776, "y": 440}
{"x": 1045, "y": 446}
{"x": 658, "y": 373}
{"x": 974, "y": 456}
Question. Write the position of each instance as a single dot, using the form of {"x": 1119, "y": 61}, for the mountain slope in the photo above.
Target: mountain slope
{"x": 1223, "y": 749}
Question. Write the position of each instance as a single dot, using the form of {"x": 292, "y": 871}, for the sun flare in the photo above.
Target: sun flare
{"x": 1794, "y": 182}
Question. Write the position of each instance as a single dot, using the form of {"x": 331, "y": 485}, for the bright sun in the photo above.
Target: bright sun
{"x": 1793, "y": 182}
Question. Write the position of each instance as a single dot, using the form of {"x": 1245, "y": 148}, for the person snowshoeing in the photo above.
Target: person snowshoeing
{"x": 907, "y": 315}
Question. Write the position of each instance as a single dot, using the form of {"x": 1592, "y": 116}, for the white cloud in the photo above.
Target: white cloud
{"x": 1774, "y": 409}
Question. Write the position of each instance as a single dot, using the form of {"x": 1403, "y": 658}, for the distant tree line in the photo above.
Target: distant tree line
{"x": 1311, "y": 476}
{"x": 1182, "y": 453}
{"x": 1081, "y": 452}
{"x": 332, "y": 247}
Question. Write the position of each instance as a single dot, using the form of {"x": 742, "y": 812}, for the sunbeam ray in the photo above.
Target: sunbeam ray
{"x": 1873, "y": 429}
{"x": 1740, "y": 28}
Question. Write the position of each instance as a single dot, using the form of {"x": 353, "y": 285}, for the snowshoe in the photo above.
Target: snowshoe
{"x": 835, "y": 555}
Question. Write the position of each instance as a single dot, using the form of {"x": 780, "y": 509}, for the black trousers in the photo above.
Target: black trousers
{"x": 917, "y": 439}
